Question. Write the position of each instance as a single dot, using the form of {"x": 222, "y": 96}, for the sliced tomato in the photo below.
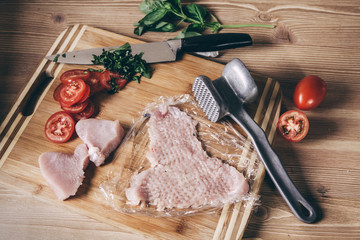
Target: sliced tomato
{"x": 86, "y": 94}
{"x": 121, "y": 83}
{"x": 293, "y": 125}
{"x": 83, "y": 99}
{"x": 56, "y": 93}
{"x": 68, "y": 76}
{"x": 76, "y": 108}
{"x": 106, "y": 78}
{"x": 94, "y": 82}
{"x": 72, "y": 92}
{"x": 86, "y": 113}
{"x": 59, "y": 127}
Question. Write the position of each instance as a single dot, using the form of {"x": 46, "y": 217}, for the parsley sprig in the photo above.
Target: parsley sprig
{"x": 120, "y": 60}
{"x": 167, "y": 15}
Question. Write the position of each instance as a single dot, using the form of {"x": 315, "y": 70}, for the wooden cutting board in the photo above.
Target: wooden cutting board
{"x": 23, "y": 140}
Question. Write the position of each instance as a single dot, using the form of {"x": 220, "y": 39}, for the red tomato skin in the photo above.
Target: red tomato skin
{"x": 309, "y": 92}
{"x": 73, "y": 92}
{"x": 86, "y": 113}
{"x": 105, "y": 80}
{"x": 76, "y": 108}
{"x": 106, "y": 77}
{"x": 290, "y": 120}
{"x": 121, "y": 82}
{"x": 56, "y": 93}
{"x": 67, "y": 76}
{"x": 94, "y": 82}
{"x": 86, "y": 94}
{"x": 65, "y": 122}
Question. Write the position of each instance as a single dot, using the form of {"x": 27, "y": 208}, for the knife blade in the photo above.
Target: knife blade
{"x": 156, "y": 52}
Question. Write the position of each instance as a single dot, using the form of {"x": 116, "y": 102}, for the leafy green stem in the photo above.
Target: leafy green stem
{"x": 185, "y": 18}
{"x": 167, "y": 15}
{"x": 181, "y": 21}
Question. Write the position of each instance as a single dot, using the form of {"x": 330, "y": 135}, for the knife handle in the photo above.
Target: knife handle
{"x": 215, "y": 42}
{"x": 34, "y": 93}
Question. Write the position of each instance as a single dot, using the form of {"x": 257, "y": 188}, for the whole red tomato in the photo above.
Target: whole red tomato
{"x": 309, "y": 92}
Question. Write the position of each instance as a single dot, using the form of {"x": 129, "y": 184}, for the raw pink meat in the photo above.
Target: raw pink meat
{"x": 64, "y": 172}
{"x": 182, "y": 175}
{"x": 100, "y": 136}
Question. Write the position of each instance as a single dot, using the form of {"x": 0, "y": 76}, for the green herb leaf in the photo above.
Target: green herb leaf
{"x": 195, "y": 27}
{"x": 196, "y": 12}
{"x": 163, "y": 27}
{"x": 166, "y": 15}
{"x": 149, "y": 6}
{"x": 174, "y": 5}
{"x": 187, "y": 34}
{"x": 151, "y": 20}
{"x": 140, "y": 29}
{"x": 125, "y": 47}
{"x": 137, "y": 79}
{"x": 154, "y": 17}
{"x": 215, "y": 26}
{"x": 114, "y": 86}
{"x": 94, "y": 70}
{"x": 120, "y": 60}
{"x": 56, "y": 58}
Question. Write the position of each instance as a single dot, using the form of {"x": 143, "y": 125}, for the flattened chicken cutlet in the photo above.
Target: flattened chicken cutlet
{"x": 182, "y": 175}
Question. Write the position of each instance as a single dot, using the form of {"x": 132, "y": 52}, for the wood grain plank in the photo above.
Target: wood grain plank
{"x": 275, "y": 223}
{"x": 46, "y": 221}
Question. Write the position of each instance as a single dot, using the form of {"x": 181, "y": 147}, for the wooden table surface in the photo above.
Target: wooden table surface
{"x": 311, "y": 37}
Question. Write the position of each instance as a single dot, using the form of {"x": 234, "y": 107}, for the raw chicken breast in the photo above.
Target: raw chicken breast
{"x": 64, "y": 172}
{"x": 100, "y": 136}
{"x": 182, "y": 175}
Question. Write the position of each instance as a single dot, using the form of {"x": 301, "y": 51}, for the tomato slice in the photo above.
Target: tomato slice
{"x": 94, "y": 82}
{"x": 86, "y": 113}
{"x": 105, "y": 79}
{"x": 56, "y": 93}
{"x": 68, "y": 76}
{"x": 73, "y": 92}
{"x": 293, "y": 125}
{"x": 86, "y": 94}
{"x": 83, "y": 99}
{"x": 76, "y": 108}
{"x": 59, "y": 127}
{"x": 107, "y": 76}
{"x": 121, "y": 82}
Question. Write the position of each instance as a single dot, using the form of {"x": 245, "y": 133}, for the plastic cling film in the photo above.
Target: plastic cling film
{"x": 222, "y": 141}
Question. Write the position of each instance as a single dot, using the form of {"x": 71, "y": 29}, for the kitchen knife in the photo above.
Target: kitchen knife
{"x": 167, "y": 51}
